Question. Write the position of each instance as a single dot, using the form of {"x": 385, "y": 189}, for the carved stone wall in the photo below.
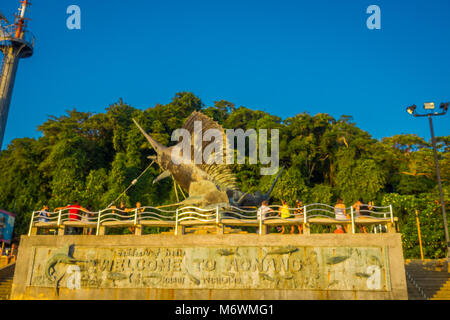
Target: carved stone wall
{"x": 210, "y": 267}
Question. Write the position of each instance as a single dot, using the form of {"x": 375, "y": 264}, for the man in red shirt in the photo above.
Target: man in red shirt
{"x": 74, "y": 212}
{"x": 75, "y": 215}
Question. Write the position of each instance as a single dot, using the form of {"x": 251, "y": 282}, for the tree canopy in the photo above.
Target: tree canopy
{"x": 92, "y": 158}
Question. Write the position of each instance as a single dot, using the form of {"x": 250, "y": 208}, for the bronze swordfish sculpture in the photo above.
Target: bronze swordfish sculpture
{"x": 208, "y": 184}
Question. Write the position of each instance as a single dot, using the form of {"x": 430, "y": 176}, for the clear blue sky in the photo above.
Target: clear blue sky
{"x": 283, "y": 57}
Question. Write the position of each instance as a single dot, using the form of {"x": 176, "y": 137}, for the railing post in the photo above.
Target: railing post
{"x": 306, "y": 229}
{"x": 392, "y": 213}
{"x": 353, "y": 219}
{"x": 304, "y": 215}
{"x": 220, "y": 229}
{"x": 135, "y": 216}
{"x": 58, "y": 224}
{"x": 217, "y": 214}
{"x": 98, "y": 223}
{"x": 260, "y": 222}
{"x": 176, "y": 222}
{"x": 31, "y": 224}
{"x": 59, "y": 218}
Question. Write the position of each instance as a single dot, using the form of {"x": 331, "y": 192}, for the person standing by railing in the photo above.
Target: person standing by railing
{"x": 74, "y": 215}
{"x": 360, "y": 206}
{"x": 340, "y": 213}
{"x": 86, "y": 217}
{"x": 74, "y": 212}
{"x": 298, "y": 214}
{"x": 123, "y": 210}
{"x": 284, "y": 213}
{"x": 12, "y": 254}
{"x": 43, "y": 214}
{"x": 262, "y": 211}
{"x": 138, "y": 210}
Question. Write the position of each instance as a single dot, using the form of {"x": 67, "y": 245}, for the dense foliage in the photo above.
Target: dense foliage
{"x": 92, "y": 158}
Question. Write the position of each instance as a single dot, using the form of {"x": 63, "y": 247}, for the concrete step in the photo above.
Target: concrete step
{"x": 6, "y": 281}
{"x": 431, "y": 276}
{"x": 413, "y": 293}
{"x": 443, "y": 293}
{"x": 436, "y": 273}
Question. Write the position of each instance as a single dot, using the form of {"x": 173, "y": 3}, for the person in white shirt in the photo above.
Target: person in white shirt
{"x": 263, "y": 209}
{"x": 262, "y": 212}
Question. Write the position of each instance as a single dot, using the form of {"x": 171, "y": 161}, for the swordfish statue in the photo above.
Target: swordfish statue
{"x": 207, "y": 184}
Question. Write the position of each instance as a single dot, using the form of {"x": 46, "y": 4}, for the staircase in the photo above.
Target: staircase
{"x": 6, "y": 280}
{"x": 443, "y": 293}
{"x": 429, "y": 279}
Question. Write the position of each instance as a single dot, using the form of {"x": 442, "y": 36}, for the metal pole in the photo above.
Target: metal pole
{"x": 260, "y": 222}
{"x": 98, "y": 223}
{"x": 420, "y": 236}
{"x": 438, "y": 174}
{"x": 176, "y": 222}
{"x": 31, "y": 224}
{"x": 132, "y": 184}
{"x": 353, "y": 220}
{"x": 304, "y": 214}
{"x": 59, "y": 218}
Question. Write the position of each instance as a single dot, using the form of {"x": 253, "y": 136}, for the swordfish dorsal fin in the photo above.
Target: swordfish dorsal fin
{"x": 220, "y": 174}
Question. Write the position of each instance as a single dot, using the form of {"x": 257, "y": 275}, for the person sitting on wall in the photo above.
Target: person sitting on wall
{"x": 339, "y": 229}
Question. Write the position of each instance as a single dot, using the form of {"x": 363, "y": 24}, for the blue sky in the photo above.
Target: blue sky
{"x": 284, "y": 57}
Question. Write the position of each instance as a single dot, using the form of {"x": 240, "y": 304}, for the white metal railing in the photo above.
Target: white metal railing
{"x": 217, "y": 215}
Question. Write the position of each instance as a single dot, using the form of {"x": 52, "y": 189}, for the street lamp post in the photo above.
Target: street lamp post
{"x": 430, "y": 106}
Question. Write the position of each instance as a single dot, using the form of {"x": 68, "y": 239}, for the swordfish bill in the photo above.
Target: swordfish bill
{"x": 155, "y": 144}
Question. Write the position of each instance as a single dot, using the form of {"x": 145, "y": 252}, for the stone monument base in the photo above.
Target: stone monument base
{"x": 236, "y": 266}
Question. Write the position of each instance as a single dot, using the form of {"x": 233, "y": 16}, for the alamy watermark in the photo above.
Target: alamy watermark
{"x": 374, "y": 20}
{"x": 219, "y": 151}
{"x": 74, "y": 20}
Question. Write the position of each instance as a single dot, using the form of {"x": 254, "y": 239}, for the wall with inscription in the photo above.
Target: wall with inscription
{"x": 207, "y": 266}
{"x": 245, "y": 267}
